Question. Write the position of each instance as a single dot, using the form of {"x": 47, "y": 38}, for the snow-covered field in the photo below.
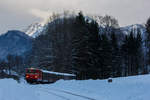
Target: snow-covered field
{"x": 129, "y": 88}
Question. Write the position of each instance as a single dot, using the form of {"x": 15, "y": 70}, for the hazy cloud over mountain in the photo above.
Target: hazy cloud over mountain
{"x": 18, "y": 14}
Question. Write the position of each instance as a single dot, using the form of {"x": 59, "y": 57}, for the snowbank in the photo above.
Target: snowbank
{"x": 11, "y": 90}
{"x": 126, "y": 88}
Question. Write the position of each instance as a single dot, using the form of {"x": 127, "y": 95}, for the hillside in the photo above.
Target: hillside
{"x": 15, "y": 43}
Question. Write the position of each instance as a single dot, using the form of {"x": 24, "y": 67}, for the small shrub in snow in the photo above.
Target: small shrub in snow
{"x": 110, "y": 80}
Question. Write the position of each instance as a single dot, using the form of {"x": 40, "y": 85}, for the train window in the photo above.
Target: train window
{"x": 31, "y": 71}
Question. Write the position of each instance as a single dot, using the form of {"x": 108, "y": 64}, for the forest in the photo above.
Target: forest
{"x": 92, "y": 47}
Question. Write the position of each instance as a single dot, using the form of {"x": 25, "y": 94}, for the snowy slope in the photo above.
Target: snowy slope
{"x": 11, "y": 90}
{"x": 129, "y": 88}
{"x": 15, "y": 43}
{"x": 127, "y": 30}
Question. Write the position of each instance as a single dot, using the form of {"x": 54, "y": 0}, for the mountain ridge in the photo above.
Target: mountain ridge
{"x": 15, "y": 43}
{"x": 34, "y": 30}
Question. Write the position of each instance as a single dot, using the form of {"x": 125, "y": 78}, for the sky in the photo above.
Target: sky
{"x": 18, "y": 14}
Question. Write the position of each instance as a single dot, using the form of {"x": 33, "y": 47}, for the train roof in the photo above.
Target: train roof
{"x": 51, "y": 72}
{"x": 32, "y": 68}
{"x": 58, "y": 73}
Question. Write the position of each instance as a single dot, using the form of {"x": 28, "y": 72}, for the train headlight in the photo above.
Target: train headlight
{"x": 36, "y": 76}
{"x": 27, "y": 76}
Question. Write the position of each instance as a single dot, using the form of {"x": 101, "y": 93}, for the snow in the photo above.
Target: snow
{"x": 127, "y": 29}
{"x": 126, "y": 88}
{"x": 11, "y": 71}
{"x": 11, "y": 90}
{"x": 34, "y": 30}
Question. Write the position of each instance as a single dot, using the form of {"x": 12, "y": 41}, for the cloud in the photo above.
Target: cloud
{"x": 43, "y": 15}
{"x": 18, "y": 13}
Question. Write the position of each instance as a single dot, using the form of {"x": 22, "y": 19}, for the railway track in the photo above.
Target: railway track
{"x": 59, "y": 93}
{"x": 55, "y": 94}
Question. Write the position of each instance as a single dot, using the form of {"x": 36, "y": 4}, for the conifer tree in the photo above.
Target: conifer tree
{"x": 93, "y": 42}
{"x": 147, "y": 43}
{"x": 106, "y": 57}
{"x": 116, "y": 63}
{"x": 125, "y": 56}
{"x": 80, "y": 47}
{"x": 139, "y": 66}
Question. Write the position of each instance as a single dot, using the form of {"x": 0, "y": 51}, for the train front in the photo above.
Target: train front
{"x": 33, "y": 75}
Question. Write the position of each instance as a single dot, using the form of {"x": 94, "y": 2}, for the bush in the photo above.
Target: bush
{"x": 4, "y": 75}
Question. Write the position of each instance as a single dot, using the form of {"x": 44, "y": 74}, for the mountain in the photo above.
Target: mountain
{"x": 34, "y": 30}
{"x": 15, "y": 43}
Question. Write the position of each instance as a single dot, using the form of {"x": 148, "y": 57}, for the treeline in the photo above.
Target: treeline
{"x": 13, "y": 65}
{"x": 90, "y": 47}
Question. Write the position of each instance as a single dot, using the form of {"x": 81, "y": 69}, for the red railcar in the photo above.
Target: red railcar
{"x": 33, "y": 75}
{"x": 38, "y": 76}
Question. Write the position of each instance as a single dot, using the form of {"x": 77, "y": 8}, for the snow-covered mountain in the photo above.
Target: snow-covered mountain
{"x": 127, "y": 30}
{"x": 34, "y": 30}
{"x": 135, "y": 27}
{"x": 15, "y": 43}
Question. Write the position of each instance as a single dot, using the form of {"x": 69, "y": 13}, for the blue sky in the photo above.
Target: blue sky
{"x": 18, "y": 14}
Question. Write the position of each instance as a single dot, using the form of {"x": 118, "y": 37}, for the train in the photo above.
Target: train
{"x": 35, "y": 75}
